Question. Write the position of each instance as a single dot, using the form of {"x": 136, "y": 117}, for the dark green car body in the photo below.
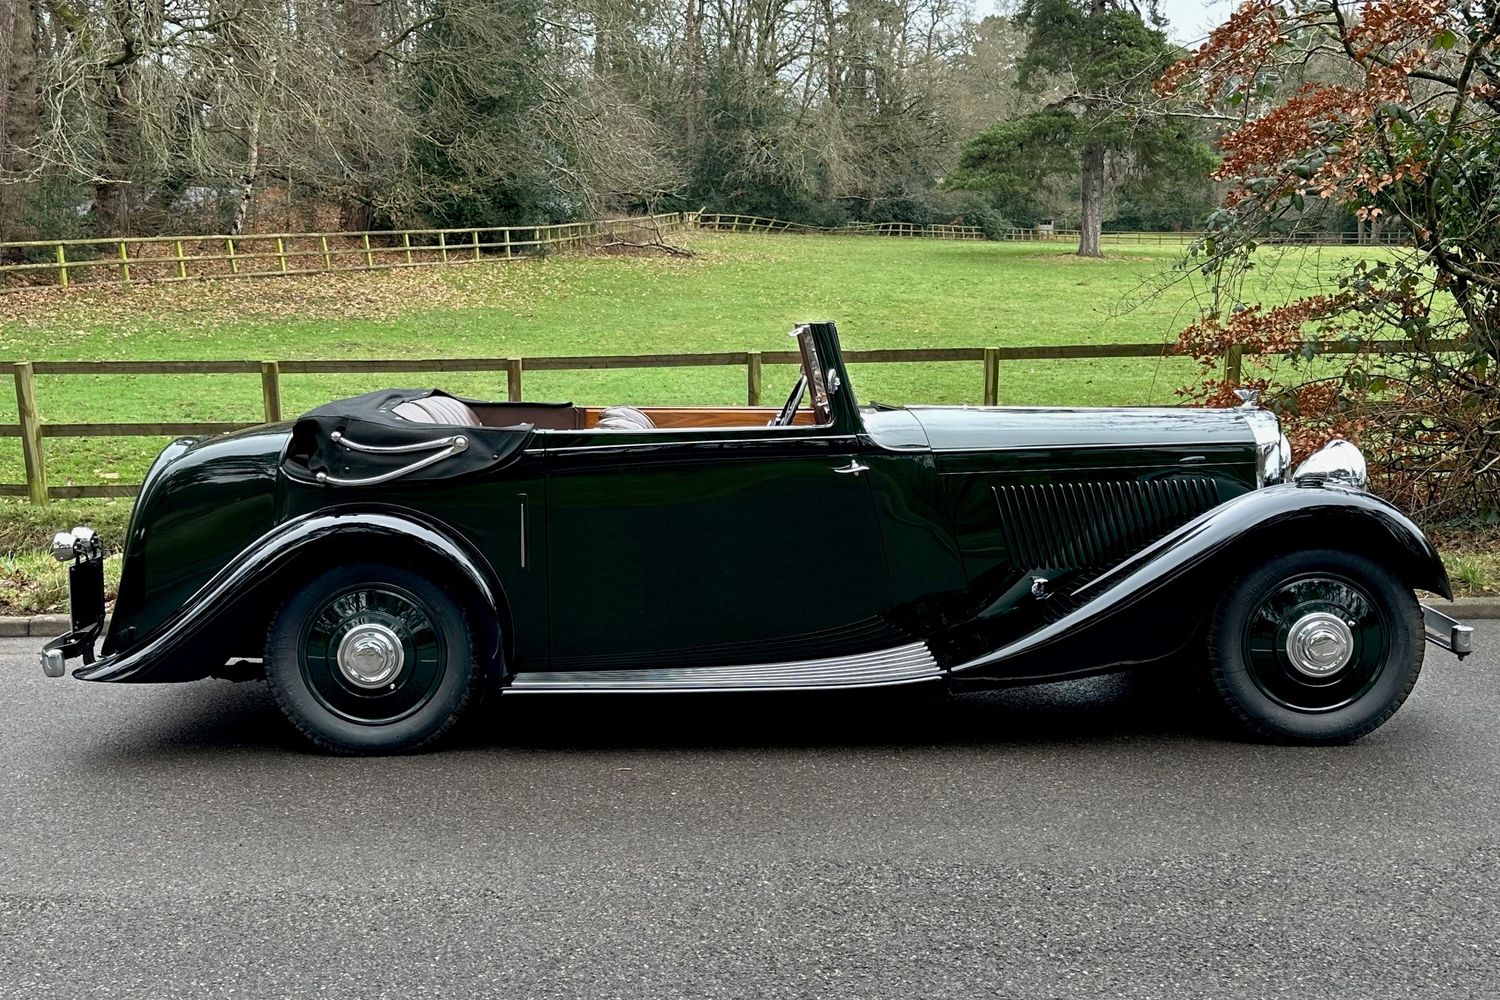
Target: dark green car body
{"x": 885, "y": 545}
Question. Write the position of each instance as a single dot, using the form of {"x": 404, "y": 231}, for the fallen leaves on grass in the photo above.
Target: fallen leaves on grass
{"x": 353, "y": 295}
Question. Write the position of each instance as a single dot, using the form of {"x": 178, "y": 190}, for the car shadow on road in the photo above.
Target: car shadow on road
{"x": 1123, "y": 706}
{"x": 1116, "y": 706}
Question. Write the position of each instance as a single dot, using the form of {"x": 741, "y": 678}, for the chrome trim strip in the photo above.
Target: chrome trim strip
{"x": 1448, "y": 633}
{"x": 1079, "y": 446}
{"x": 908, "y": 664}
{"x": 523, "y": 529}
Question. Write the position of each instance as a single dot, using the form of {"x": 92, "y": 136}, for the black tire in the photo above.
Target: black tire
{"x": 1279, "y": 690}
{"x": 374, "y": 699}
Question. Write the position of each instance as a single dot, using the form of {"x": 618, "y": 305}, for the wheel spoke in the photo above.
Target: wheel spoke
{"x": 1316, "y": 642}
{"x": 372, "y": 654}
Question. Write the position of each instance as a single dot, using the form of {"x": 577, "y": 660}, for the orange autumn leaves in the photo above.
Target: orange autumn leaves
{"x": 1343, "y": 138}
{"x": 1315, "y": 143}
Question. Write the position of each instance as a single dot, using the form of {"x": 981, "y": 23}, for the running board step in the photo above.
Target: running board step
{"x": 902, "y": 665}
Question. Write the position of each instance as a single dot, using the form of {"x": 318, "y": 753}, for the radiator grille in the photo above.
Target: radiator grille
{"x": 1083, "y": 524}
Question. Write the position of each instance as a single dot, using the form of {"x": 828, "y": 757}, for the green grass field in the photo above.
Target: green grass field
{"x": 738, "y": 293}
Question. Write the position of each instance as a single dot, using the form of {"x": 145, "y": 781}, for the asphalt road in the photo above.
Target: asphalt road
{"x": 1084, "y": 840}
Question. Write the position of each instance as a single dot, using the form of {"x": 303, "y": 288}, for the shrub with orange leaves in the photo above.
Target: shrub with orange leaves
{"x": 1396, "y": 122}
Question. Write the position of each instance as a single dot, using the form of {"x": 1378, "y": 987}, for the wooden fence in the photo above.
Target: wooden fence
{"x": 1015, "y": 234}
{"x": 33, "y": 431}
{"x": 122, "y": 260}
{"x": 756, "y": 224}
{"x": 1390, "y": 237}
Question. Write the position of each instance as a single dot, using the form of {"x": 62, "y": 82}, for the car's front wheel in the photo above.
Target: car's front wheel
{"x": 371, "y": 658}
{"x": 1318, "y": 646}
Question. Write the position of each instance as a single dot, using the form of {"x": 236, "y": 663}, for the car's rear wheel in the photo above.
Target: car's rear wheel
{"x": 371, "y": 658}
{"x": 1319, "y": 646}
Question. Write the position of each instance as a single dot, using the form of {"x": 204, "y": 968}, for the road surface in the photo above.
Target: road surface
{"x": 1090, "y": 840}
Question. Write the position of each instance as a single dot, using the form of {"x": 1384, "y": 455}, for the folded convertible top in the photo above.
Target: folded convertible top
{"x": 365, "y": 441}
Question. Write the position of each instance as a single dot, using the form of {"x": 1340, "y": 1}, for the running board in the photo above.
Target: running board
{"x": 902, "y": 665}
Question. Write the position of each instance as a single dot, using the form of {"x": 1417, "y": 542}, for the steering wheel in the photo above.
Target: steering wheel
{"x": 791, "y": 406}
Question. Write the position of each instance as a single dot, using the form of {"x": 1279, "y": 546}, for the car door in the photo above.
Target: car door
{"x": 711, "y": 547}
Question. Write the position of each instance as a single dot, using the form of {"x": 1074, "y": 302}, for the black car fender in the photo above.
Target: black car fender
{"x": 1153, "y": 604}
{"x": 297, "y": 547}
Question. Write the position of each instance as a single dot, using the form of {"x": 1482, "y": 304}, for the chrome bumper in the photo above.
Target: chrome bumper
{"x": 1449, "y": 633}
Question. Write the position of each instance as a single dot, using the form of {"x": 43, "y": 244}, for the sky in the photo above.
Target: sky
{"x": 1190, "y": 19}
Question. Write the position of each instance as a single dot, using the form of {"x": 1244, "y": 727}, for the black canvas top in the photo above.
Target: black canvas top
{"x": 369, "y": 421}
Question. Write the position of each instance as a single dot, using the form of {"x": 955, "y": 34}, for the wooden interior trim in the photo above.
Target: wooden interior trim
{"x": 704, "y": 416}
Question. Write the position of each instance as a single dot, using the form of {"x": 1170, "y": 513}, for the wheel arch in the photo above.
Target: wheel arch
{"x": 248, "y": 590}
{"x": 1180, "y": 579}
{"x": 406, "y": 539}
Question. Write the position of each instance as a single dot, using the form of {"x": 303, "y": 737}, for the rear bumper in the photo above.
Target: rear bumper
{"x": 1449, "y": 633}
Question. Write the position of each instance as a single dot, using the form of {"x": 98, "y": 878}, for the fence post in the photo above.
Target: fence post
{"x": 234, "y": 265}
{"x": 62, "y": 266}
{"x": 31, "y": 433}
{"x": 513, "y": 379}
{"x": 181, "y": 260}
{"x": 991, "y": 376}
{"x": 507, "y": 243}
{"x": 752, "y": 377}
{"x": 406, "y": 242}
{"x": 476, "y": 244}
{"x": 327, "y": 257}
{"x": 369, "y": 257}
{"x": 270, "y": 390}
{"x": 443, "y": 245}
{"x": 124, "y": 263}
{"x": 281, "y": 253}
{"x": 1233, "y": 361}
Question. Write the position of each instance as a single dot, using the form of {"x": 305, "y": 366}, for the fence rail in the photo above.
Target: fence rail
{"x": 33, "y": 431}
{"x": 722, "y": 222}
{"x": 128, "y": 259}
{"x": 123, "y": 260}
{"x": 1186, "y": 236}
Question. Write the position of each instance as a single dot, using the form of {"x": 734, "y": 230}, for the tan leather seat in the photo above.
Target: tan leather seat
{"x": 437, "y": 410}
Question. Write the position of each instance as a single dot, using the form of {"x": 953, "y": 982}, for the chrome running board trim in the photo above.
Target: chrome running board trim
{"x": 903, "y": 665}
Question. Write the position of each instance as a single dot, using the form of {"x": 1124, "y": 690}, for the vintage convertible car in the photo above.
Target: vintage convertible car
{"x": 385, "y": 560}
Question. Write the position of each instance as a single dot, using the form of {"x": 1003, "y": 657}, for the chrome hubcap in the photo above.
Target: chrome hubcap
{"x": 370, "y": 655}
{"x": 1320, "y": 644}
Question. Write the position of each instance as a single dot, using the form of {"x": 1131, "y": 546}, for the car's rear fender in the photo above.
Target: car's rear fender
{"x": 246, "y": 591}
{"x": 1154, "y": 604}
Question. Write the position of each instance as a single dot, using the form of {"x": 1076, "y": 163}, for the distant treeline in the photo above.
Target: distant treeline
{"x": 123, "y": 117}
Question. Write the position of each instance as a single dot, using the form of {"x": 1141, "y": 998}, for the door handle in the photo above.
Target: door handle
{"x": 852, "y": 469}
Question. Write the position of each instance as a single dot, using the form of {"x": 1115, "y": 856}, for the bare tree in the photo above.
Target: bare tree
{"x": 18, "y": 108}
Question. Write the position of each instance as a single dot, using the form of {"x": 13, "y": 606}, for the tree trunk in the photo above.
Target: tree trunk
{"x": 1091, "y": 216}
{"x": 252, "y": 168}
{"x": 19, "y": 111}
{"x": 694, "y": 15}
{"x": 362, "y": 42}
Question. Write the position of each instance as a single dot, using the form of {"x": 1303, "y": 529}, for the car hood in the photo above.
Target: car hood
{"x": 1016, "y": 428}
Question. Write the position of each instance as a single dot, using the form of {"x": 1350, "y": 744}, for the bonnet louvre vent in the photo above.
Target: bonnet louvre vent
{"x": 1079, "y": 525}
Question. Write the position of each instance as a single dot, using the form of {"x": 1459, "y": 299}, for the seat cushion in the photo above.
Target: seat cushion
{"x": 437, "y": 410}
{"x": 624, "y": 418}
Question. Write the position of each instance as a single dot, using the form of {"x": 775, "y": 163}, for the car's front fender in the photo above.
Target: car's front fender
{"x": 273, "y": 557}
{"x": 1151, "y": 605}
